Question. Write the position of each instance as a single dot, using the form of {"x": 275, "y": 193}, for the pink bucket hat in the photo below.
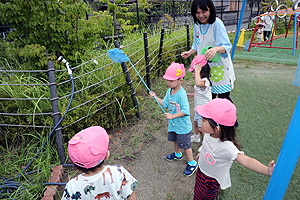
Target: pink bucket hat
{"x": 174, "y": 71}
{"x": 89, "y": 147}
{"x": 220, "y": 110}
{"x": 198, "y": 60}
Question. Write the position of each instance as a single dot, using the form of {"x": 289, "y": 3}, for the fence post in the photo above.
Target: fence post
{"x": 188, "y": 41}
{"x": 237, "y": 17}
{"x": 147, "y": 60}
{"x": 137, "y": 12}
{"x": 174, "y": 13}
{"x": 222, "y": 4}
{"x": 160, "y": 49}
{"x": 129, "y": 83}
{"x": 55, "y": 111}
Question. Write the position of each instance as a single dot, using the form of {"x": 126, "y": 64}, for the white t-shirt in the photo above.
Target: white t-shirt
{"x": 202, "y": 95}
{"x": 216, "y": 158}
{"x": 269, "y": 19}
{"x": 113, "y": 182}
{"x": 260, "y": 32}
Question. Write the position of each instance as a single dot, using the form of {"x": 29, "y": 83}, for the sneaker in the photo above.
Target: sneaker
{"x": 189, "y": 170}
{"x": 172, "y": 157}
{"x": 195, "y": 139}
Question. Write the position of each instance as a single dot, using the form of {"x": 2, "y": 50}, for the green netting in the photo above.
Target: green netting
{"x": 283, "y": 56}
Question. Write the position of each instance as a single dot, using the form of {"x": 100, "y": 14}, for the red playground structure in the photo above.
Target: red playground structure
{"x": 279, "y": 14}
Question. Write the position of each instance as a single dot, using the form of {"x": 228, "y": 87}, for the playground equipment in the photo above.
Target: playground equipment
{"x": 278, "y": 13}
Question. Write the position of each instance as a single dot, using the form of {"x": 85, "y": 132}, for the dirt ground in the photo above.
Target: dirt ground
{"x": 141, "y": 147}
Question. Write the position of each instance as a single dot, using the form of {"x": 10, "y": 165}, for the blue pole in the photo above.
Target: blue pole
{"x": 238, "y": 29}
{"x": 287, "y": 159}
{"x": 295, "y": 29}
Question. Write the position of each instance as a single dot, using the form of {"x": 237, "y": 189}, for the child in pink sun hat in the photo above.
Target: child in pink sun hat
{"x": 219, "y": 149}
{"x": 202, "y": 91}
{"x": 260, "y": 31}
{"x": 88, "y": 149}
{"x": 179, "y": 112}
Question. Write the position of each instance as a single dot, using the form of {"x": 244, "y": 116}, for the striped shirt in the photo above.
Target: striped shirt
{"x": 202, "y": 95}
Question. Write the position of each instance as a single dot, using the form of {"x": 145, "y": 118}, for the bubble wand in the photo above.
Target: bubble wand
{"x": 119, "y": 56}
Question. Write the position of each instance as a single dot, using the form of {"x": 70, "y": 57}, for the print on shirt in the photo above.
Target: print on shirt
{"x": 118, "y": 167}
{"x": 109, "y": 172}
{"x": 105, "y": 194}
{"x": 210, "y": 159}
{"x": 76, "y": 196}
{"x": 217, "y": 73}
{"x": 133, "y": 185}
{"x": 67, "y": 194}
{"x": 124, "y": 181}
{"x": 89, "y": 189}
{"x": 173, "y": 106}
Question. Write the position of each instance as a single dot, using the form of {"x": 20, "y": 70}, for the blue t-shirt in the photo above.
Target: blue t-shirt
{"x": 220, "y": 35}
{"x": 176, "y": 103}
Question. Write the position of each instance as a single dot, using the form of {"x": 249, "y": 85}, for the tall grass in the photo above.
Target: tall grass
{"x": 17, "y": 154}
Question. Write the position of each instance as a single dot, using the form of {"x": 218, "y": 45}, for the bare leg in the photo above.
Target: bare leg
{"x": 177, "y": 149}
{"x": 196, "y": 128}
{"x": 189, "y": 154}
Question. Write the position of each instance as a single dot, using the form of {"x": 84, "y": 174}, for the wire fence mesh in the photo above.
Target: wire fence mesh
{"x": 97, "y": 86}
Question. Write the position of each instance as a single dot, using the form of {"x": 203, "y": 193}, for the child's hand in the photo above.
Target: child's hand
{"x": 152, "y": 94}
{"x": 168, "y": 116}
{"x": 190, "y": 95}
{"x": 197, "y": 157}
{"x": 271, "y": 167}
{"x": 198, "y": 68}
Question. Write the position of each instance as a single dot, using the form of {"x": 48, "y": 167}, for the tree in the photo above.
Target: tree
{"x": 43, "y": 30}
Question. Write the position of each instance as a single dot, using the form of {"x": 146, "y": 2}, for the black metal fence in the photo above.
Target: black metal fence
{"x": 148, "y": 59}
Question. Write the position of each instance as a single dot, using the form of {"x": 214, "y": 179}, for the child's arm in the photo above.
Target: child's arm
{"x": 255, "y": 165}
{"x": 132, "y": 196}
{"x": 160, "y": 101}
{"x": 198, "y": 81}
{"x": 190, "y": 95}
{"x": 176, "y": 115}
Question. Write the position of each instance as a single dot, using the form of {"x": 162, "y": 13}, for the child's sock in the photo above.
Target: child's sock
{"x": 196, "y": 136}
{"x": 178, "y": 154}
{"x": 192, "y": 163}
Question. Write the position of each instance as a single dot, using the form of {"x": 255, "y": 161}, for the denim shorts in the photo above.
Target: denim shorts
{"x": 198, "y": 118}
{"x": 183, "y": 140}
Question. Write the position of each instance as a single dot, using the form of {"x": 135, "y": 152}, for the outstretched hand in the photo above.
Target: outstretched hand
{"x": 185, "y": 54}
{"x": 271, "y": 167}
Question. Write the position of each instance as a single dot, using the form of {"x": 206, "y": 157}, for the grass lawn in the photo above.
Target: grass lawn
{"x": 265, "y": 99}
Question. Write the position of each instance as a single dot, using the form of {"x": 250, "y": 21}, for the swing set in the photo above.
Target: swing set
{"x": 268, "y": 18}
